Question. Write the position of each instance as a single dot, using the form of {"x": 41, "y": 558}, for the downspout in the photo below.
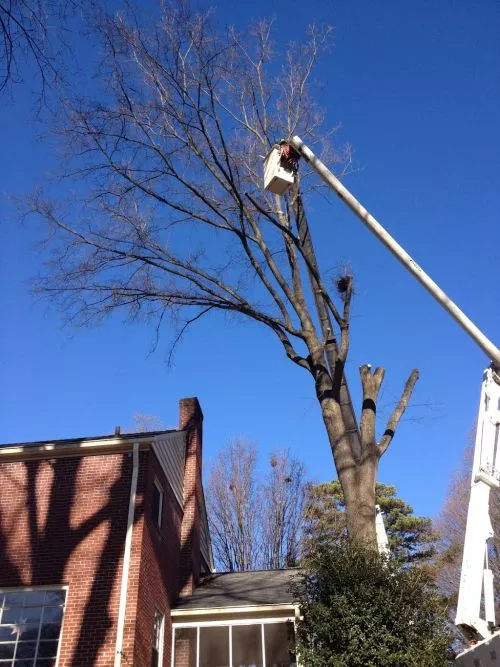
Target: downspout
{"x": 126, "y": 558}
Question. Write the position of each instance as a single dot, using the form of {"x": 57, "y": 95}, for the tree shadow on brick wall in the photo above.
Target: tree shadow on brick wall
{"x": 190, "y": 547}
{"x": 9, "y": 574}
{"x": 52, "y": 544}
{"x": 97, "y": 621}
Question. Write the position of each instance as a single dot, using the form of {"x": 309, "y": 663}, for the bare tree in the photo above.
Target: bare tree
{"x": 233, "y": 507}
{"x": 169, "y": 215}
{"x": 451, "y": 524}
{"x": 32, "y": 33}
{"x": 282, "y": 514}
{"x": 255, "y": 517}
{"x": 143, "y": 423}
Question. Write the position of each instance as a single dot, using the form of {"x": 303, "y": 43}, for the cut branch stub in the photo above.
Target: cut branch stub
{"x": 371, "y": 383}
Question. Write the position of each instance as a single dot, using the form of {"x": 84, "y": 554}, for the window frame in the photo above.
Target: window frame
{"x": 47, "y": 587}
{"x": 158, "y": 520}
{"x": 230, "y": 624}
{"x": 161, "y": 637}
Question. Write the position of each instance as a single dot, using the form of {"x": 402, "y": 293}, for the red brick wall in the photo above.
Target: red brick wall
{"x": 191, "y": 420}
{"x": 131, "y": 612}
{"x": 63, "y": 521}
{"x": 159, "y": 568}
{"x": 185, "y": 649}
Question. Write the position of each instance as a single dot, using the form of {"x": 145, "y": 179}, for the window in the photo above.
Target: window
{"x": 157, "y": 503}
{"x": 247, "y": 645}
{"x": 214, "y": 646}
{"x": 157, "y": 653}
{"x": 244, "y": 644}
{"x": 279, "y": 643}
{"x": 30, "y": 626}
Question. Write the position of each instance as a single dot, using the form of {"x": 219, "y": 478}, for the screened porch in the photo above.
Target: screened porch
{"x": 237, "y": 619}
{"x": 237, "y": 643}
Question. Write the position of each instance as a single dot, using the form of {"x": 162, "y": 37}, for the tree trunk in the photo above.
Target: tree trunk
{"x": 357, "y": 477}
{"x": 360, "y": 502}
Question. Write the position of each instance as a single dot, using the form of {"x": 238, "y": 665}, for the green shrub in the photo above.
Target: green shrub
{"x": 359, "y": 610}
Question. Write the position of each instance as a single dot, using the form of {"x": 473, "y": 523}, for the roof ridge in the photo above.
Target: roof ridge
{"x": 276, "y": 569}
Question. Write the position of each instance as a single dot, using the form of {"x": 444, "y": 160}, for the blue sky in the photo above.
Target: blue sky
{"x": 416, "y": 87}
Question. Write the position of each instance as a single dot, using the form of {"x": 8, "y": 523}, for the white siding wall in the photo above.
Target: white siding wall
{"x": 170, "y": 449}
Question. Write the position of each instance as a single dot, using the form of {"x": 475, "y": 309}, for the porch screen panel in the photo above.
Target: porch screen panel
{"x": 214, "y": 646}
{"x": 185, "y": 647}
{"x": 247, "y": 645}
{"x": 279, "y": 640}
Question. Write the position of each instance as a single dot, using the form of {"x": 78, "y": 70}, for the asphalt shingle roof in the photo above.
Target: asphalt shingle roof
{"x": 242, "y": 589}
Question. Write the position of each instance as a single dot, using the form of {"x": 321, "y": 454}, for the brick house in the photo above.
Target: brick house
{"x": 105, "y": 559}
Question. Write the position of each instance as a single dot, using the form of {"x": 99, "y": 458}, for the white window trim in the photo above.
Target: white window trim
{"x": 159, "y": 518}
{"x": 45, "y": 587}
{"x": 236, "y": 621}
{"x": 263, "y": 643}
{"x": 55, "y": 587}
{"x": 243, "y": 621}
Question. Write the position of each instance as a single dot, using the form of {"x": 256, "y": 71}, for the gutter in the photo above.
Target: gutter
{"x": 126, "y": 558}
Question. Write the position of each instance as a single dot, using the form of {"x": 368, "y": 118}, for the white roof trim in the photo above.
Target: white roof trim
{"x": 78, "y": 448}
{"x": 202, "y": 611}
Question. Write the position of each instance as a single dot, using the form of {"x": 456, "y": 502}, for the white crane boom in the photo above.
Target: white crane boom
{"x": 476, "y": 583}
{"x": 398, "y": 251}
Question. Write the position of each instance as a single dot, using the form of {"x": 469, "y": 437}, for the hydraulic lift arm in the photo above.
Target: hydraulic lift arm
{"x": 476, "y": 580}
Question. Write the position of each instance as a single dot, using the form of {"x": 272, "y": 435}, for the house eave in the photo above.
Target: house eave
{"x": 250, "y": 609}
{"x": 78, "y": 448}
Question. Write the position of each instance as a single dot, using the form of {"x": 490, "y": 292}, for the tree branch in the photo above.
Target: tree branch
{"x": 398, "y": 412}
